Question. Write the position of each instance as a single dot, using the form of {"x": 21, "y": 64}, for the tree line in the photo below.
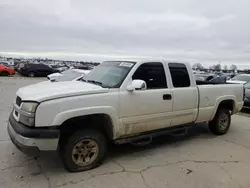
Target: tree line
{"x": 217, "y": 67}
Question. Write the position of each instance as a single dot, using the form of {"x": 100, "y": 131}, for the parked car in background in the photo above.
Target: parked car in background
{"x": 84, "y": 67}
{"x": 53, "y": 76}
{"x": 19, "y": 65}
{"x": 240, "y": 79}
{"x": 68, "y": 75}
{"x": 6, "y": 71}
{"x": 5, "y": 64}
{"x": 59, "y": 68}
{"x": 36, "y": 70}
{"x": 204, "y": 77}
{"x": 247, "y": 96}
{"x": 230, "y": 75}
{"x": 219, "y": 79}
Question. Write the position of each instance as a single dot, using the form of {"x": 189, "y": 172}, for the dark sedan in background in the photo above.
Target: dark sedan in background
{"x": 36, "y": 70}
{"x": 247, "y": 96}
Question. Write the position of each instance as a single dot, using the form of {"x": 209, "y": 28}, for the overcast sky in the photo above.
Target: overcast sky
{"x": 188, "y": 30}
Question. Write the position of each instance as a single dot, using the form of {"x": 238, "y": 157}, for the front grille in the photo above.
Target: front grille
{"x": 18, "y": 101}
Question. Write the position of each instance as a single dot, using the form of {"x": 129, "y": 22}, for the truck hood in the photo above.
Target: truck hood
{"x": 47, "y": 91}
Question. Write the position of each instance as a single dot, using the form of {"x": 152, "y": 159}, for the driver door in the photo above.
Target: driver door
{"x": 150, "y": 109}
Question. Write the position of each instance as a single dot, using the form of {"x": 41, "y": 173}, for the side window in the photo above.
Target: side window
{"x": 179, "y": 74}
{"x": 153, "y": 74}
{"x": 42, "y": 66}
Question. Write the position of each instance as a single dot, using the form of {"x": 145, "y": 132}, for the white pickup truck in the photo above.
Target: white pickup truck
{"x": 119, "y": 101}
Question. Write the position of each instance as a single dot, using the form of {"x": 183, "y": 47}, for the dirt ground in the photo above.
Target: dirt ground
{"x": 198, "y": 159}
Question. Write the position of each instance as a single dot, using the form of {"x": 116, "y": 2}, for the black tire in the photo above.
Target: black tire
{"x": 221, "y": 122}
{"x": 31, "y": 74}
{"x": 5, "y": 73}
{"x": 67, "y": 147}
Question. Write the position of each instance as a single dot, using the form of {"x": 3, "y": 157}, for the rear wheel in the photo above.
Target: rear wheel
{"x": 84, "y": 150}
{"x": 5, "y": 73}
{"x": 31, "y": 74}
{"x": 221, "y": 122}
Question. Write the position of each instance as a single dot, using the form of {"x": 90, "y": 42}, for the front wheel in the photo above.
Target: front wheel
{"x": 31, "y": 74}
{"x": 84, "y": 150}
{"x": 5, "y": 73}
{"x": 221, "y": 122}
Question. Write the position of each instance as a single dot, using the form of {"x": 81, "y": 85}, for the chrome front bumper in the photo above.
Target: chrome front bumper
{"x": 28, "y": 144}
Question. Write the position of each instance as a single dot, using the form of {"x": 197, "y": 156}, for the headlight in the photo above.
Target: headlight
{"x": 29, "y": 106}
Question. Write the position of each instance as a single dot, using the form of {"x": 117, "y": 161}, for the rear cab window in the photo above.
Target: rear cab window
{"x": 179, "y": 74}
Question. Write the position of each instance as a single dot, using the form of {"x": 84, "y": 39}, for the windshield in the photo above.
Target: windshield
{"x": 68, "y": 76}
{"x": 241, "y": 78}
{"x": 109, "y": 74}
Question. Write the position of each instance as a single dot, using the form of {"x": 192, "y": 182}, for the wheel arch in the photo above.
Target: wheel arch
{"x": 103, "y": 118}
{"x": 100, "y": 122}
{"x": 5, "y": 72}
{"x": 225, "y": 102}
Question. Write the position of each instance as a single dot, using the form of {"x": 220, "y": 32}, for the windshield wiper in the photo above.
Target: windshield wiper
{"x": 95, "y": 82}
{"x": 82, "y": 79}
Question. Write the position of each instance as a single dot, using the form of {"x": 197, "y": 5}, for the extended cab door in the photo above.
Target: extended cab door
{"x": 150, "y": 109}
{"x": 185, "y": 94}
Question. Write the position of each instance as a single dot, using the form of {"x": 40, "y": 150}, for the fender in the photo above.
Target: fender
{"x": 221, "y": 99}
{"x": 63, "y": 116}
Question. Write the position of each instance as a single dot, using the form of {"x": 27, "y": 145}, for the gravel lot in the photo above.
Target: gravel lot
{"x": 198, "y": 159}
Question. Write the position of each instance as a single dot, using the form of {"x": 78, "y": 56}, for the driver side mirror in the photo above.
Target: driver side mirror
{"x": 137, "y": 85}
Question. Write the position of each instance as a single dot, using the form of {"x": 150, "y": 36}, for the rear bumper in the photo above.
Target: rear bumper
{"x": 29, "y": 141}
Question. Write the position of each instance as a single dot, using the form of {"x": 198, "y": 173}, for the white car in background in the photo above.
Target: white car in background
{"x": 240, "y": 79}
{"x": 68, "y": 75}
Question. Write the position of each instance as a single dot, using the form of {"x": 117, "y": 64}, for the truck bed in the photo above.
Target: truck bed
{"x": 210, "y": 95}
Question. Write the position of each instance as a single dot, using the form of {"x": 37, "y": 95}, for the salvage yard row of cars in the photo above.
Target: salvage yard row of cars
{"x": 36, "y": 69}
{"x": 243, "y": 79}
{"x": 6, "y": 70}
{"x": 118, "y": 102}
{"x": 42, "y": 70}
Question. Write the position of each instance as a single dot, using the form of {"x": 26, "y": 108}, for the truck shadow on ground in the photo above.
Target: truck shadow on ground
{"x": 246, "y": 111}
{"x": 52, "y": 163}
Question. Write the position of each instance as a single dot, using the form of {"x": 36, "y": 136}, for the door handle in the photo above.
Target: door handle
{"x": 167, "y": 97}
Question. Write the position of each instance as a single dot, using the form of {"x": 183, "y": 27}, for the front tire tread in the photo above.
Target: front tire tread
{"x": 66, "y": 148}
